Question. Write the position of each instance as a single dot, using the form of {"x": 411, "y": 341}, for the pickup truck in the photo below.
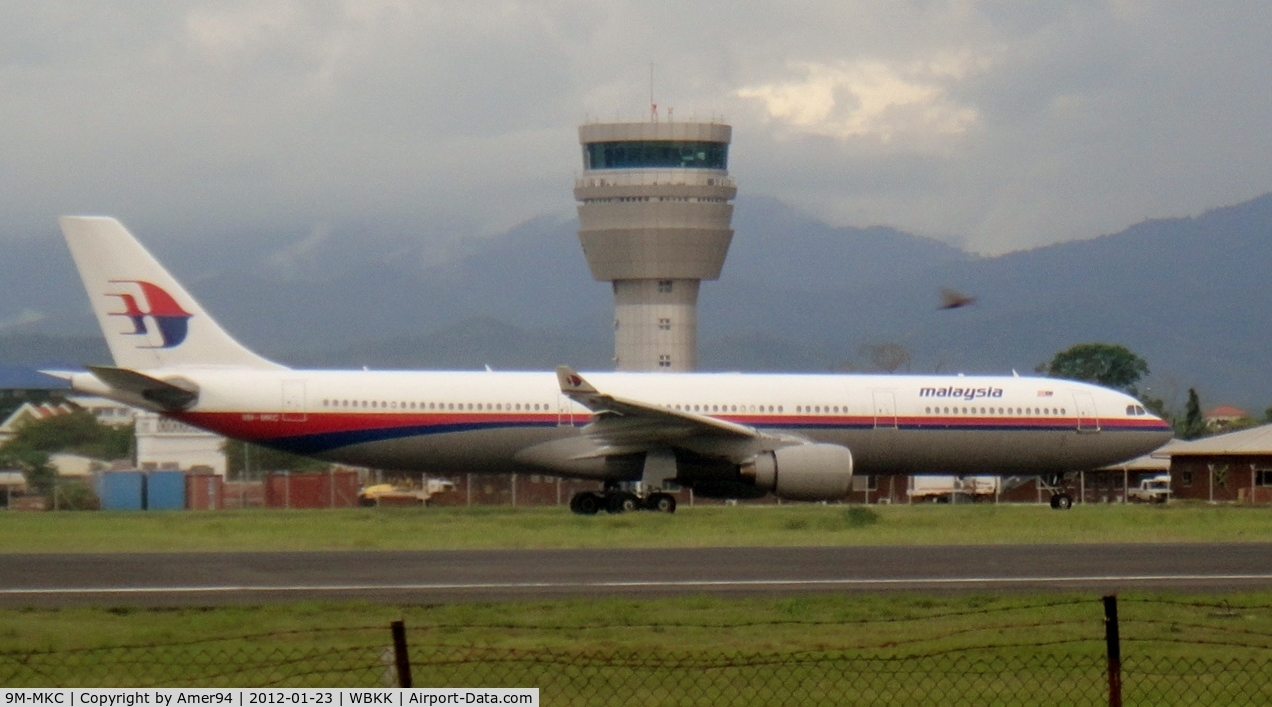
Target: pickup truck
{"x": 1151, "y": 490}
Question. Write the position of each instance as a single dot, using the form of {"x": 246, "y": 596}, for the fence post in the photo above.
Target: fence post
{"x": 1114, "y": 643}
{"x": 400, "y": 655}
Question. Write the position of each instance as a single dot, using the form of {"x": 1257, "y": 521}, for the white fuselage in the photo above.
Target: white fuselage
{"x": 451, "y": 422}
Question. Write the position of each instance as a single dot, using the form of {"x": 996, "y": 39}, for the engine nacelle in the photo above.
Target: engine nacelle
{"x": 802, "y": 472}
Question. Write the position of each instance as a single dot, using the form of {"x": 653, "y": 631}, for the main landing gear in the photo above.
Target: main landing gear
{"x": 617, "y": 501}
{"x": 1060, "y": 498}
{"x": 644, "y": 495}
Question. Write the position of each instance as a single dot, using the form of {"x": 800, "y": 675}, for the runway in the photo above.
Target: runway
{"x": 205, "y": 579}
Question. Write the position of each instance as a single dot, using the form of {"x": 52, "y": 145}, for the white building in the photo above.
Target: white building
{"x": 107, "y": 412}
{"x": 168, "y": 444}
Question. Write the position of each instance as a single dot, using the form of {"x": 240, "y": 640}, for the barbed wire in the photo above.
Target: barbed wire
{"x": 509, "y": 626}
{"x": 217, "y": 639}
{"x": 1224, "y": 605}
{"x": 1207, "y": 627}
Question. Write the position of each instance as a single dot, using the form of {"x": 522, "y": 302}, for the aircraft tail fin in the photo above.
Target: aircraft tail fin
{"x": 147, "y": 317}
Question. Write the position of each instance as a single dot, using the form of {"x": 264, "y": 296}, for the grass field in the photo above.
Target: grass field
{"x": 895, "y": 649}
{"x": 905, "y": 623}
{"x": 552, "y": 527}
{"x": 872, "y": 649}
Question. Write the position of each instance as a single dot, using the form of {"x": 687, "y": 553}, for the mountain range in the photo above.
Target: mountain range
{"x": 1187, "y": 294}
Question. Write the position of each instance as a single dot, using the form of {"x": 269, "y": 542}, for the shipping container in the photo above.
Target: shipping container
{"x": 165, "y": 490}
{"x": 312, "y": 490}
{"x": 204, "y": 492}
{"x": 122, "y": 490}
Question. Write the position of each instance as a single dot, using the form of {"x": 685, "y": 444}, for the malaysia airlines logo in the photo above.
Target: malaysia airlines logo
{"x": 171, "y": 322}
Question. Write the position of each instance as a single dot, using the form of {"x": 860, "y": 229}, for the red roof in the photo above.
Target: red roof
{"x": 1226, "y": 411}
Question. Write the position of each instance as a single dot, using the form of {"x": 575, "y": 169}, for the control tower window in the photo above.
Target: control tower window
{"x": 664, "y": 360}
{"x": 656, "y": 154}
{"x": 664, "y": 324}
{"x": 664, "y": 286}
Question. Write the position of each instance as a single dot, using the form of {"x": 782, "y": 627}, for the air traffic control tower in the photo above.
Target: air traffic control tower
{"x": 654, "y": 220}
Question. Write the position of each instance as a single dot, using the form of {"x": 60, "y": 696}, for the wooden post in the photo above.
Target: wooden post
{"x": 400, "y": 655}
{"x": 1113, "y": 644}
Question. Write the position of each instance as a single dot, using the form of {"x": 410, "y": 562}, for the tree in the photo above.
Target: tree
{"x": 77, "y": 432}
{"x": 1109, "y": 365}
{"x": 1193, "y": 425}
{"x": 264, "y": 459}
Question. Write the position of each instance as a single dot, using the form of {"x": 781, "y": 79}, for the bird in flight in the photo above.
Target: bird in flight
{"x": 953, "y": 299}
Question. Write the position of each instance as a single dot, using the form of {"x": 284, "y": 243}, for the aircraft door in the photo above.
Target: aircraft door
{"x": 565, "y": 412}
{"x": 1088, "y": 421}
{"x": 885, "y": 410}
{"x": 293, "y": 401}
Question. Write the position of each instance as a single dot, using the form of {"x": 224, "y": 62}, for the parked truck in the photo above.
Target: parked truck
{"x": 1155, "y": 489}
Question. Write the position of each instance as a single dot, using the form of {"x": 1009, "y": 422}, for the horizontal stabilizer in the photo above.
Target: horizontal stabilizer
{"x": 173, "y": 394}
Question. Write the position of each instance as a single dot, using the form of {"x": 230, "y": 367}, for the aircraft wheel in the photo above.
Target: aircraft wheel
{"x": 1062, "y": 501}
{"x": 585, "y": 503}
{"x": 662, "y": 502}
{"x": 621, "y": 502}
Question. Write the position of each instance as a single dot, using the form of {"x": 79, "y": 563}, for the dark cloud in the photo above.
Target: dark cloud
{"x": 1006, "y": 124}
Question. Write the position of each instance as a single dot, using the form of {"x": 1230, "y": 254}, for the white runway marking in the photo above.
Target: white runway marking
{"x": 649, "y": 584}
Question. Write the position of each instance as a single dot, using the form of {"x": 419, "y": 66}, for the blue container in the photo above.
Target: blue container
{"x": 165, "y": 490}
{"x": 121, "y": 490}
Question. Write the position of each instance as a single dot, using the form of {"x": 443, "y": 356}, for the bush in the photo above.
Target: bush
{"x": 74, "y": 496}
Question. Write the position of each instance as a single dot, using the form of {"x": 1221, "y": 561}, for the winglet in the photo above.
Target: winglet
{"x": 572, "y": 383}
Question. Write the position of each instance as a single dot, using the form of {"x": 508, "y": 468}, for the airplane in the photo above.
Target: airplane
{"x": 724, "y": 435}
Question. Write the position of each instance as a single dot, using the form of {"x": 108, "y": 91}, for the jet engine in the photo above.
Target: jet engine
{"x": 803, "y": 472}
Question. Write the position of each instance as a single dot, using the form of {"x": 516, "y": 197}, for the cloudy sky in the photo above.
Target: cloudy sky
{"x": 998, "y": 125}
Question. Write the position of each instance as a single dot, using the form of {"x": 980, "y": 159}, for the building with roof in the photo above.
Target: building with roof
{"x": 1229, "y": 467}
{"x": 28, "y": 413}
{"x": 1222, "y": 416}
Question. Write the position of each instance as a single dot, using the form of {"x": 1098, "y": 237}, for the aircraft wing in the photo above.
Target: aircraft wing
{"x": 622, "y": 423}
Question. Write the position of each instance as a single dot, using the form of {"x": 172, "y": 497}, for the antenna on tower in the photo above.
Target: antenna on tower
{"x": 653, "y": 107}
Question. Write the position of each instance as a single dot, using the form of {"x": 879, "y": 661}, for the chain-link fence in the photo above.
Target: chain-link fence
{"x": 1157, "y": 653}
